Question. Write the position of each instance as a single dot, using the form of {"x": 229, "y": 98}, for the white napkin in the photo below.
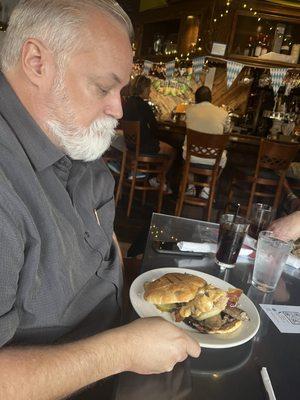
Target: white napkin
{"x": 292, "y": 260}
{"x": 207, "y": 248}
{"x": 249, "y": 241}
{"x": 197, "y": 247}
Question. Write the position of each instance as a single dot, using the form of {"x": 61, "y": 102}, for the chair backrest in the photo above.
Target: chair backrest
{"x": 131, "y": 131}
{"x": 276, "y": 156}
{"x": 205, "y": 145}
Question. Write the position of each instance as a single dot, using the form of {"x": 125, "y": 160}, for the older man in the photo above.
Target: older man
{"x": 64, "y": 63}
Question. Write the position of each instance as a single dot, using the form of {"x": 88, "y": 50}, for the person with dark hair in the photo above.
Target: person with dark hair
{"x": 137, "y": 108}
{"x": 203, "y": 93}
{"x": 205, "y": 117}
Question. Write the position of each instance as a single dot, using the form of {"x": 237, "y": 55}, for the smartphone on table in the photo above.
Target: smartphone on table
{"x": 171, "y": 248}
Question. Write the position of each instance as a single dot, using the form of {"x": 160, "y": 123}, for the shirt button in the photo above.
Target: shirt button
{"x": 86, "y": 235}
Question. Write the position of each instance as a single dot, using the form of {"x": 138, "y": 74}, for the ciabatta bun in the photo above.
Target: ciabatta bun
{"x": 173, "y": 288}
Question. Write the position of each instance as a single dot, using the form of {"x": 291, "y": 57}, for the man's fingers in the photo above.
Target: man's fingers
{"x": 193, "y": 347}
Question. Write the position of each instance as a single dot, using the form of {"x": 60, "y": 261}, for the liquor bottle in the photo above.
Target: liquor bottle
{"x": 258, "y": 46}
{"x": 287, "y": 42}
{"x": 249, "y": 48}
{"x": 278, "y": 37}
{"x": 265, "y": 45}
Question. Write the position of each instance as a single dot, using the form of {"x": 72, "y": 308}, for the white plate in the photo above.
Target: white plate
{"x": 145, "y": 309}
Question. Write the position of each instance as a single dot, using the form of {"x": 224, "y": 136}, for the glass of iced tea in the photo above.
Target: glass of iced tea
{"x": 232, "y": 232}
{"x": 260, "y": 219}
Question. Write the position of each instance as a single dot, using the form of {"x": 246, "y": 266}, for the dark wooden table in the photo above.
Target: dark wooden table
{"x": 232, "y": 373}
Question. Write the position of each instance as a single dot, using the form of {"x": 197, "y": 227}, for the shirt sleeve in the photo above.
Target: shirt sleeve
{"x": 11, "y": 261}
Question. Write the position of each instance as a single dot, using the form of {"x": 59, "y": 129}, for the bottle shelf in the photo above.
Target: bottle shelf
{"x": 261, "y": 62}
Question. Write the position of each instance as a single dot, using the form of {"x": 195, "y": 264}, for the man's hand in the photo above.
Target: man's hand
{"x": 155, "y": 345}
{"x": 146, "y": 346}
{"x": 287, "y": 228}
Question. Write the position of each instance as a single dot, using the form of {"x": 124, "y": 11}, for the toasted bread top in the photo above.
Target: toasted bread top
{"x": 173, "y": 288}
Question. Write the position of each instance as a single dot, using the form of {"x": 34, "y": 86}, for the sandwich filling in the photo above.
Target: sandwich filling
{"x": 204, "y": 307}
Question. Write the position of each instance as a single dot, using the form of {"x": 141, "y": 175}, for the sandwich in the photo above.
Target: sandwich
{"x": 171, "y": 291}
{"x": 192, "y": 300}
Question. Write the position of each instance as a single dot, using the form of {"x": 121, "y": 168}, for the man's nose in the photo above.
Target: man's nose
{"x": 113, "y": 108}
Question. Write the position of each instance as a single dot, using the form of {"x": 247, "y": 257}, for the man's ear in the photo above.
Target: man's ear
{"x": 37, "y": 62}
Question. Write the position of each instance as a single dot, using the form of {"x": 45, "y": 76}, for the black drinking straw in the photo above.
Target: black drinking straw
{"x": 236, "y": 212}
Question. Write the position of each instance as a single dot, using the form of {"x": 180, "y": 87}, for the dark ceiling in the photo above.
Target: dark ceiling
{"x": 132, "y": 6}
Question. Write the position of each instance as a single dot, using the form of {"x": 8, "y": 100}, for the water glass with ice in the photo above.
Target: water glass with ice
{"x": 271, "y": 256}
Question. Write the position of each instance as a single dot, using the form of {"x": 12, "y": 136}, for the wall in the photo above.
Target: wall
{"x": 7, "y": 7}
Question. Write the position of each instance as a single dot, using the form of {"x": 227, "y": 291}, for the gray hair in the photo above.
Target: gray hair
{"x": 58, "y": 23}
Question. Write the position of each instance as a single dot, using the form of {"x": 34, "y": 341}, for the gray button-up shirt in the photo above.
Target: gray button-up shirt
{"x": 60, "y": 274}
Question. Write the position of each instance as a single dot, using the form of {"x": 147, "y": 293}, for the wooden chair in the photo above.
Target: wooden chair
{"x": 114, "y": 155}
{"x": 202, "y": 145}
{"x": 267, "y": 180}
{"x": 134, "y": 162}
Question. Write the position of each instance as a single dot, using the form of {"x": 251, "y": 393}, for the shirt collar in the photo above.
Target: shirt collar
{"x": 39, "y": 149}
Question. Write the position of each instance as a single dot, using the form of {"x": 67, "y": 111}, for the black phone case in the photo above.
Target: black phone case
{"x": 156, "y": 247}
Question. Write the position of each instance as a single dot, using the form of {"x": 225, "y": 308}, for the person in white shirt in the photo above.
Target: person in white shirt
{"x": 205, "y": 117}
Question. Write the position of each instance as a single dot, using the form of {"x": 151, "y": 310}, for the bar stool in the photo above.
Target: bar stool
{"x": 267, "y": 180}
{"x": 134, "y": 162}
{"x": 204, "y": 145}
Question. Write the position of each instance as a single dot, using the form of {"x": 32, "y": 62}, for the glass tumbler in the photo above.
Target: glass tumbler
{"x": 271, "y": 255}
{"x": 260, "y": 219}
{"x": 231, "y": 236}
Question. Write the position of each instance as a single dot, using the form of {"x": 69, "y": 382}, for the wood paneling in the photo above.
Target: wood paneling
{"x": 235, "y": 98}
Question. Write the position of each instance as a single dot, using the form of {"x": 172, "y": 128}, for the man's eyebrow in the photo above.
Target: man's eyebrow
{"x": 116, "y": 78}
{"x": 96, "y": 78}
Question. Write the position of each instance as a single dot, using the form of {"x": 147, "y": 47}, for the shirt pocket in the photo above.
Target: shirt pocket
{"x": 100, "y": 239}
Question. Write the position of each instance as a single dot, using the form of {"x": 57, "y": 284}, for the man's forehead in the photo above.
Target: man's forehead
{"x": 106, "y": 25}
{"x": 111, "y": 40}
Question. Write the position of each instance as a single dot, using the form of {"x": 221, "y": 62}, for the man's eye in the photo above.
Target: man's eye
{"x": 102, "y": 91}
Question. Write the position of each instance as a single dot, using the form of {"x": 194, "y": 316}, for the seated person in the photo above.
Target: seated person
{"x": 136, "y": 108}
{"x": 204, "y": 117}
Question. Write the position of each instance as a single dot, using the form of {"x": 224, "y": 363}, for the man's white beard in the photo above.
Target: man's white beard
{"x": 86, "y": 144}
